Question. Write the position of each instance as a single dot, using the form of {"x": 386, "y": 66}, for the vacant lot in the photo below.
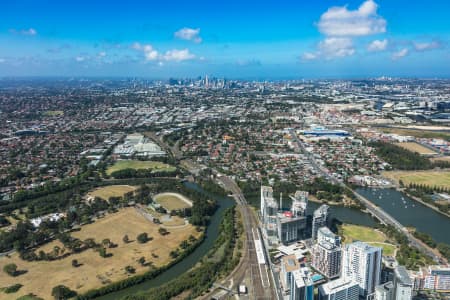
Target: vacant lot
{"x": 415, "y": 147}
{"x": 95, "y": 271}
{"x": 430, "y": 178}
{"x": 367, "y": 234}
{"x": 156, "y": 166}
{"x": 173, "y": 201}
{"x": 111, "y": 191}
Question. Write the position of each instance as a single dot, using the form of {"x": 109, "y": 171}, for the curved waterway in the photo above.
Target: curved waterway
{"x": 410, "y": 212}
{"x": 188, "y": 262}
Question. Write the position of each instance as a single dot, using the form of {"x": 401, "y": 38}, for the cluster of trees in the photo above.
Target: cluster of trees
{"x": 425, "y": 192}
{"x": 4, "y": 221}
{"x": 61, "y": 292}
{"x": 143, "y": 173}
{"x": 402, "y": 159}
{"x": 200, "y": 279}
{"x": 443, "y": 248}
{"x": 12, "y": 288}
{"x": 408, "y": 256}
{"x": 210, "y": 186}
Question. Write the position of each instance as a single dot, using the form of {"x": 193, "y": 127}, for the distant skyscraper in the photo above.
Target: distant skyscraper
{"x": 320, "y": 219}
{"x": 362, "y": 264}
{"x": 302, "y": 287}
{"x": 403, "y": 285}
{"x": 339, "y": 289}
{"x": 327, "y": 253}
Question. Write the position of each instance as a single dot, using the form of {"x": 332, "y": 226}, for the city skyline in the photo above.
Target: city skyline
{"x": 271, "y": 40}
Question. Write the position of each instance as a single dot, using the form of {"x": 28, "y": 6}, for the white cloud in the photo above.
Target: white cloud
{"x": 80, "y": 58}
{"x": 377, "y": 45}
{"x": 336, "y": 47}
{"x": 189, "y": 34}
{"x": 427, "y": 46}
{"x": 178, "y": 55}
{"x": 400, "y": 54}
{"x": 309, "y": 56}
{"x": 29, "y": 31}
{"x": 340, "y": 21}
{"x": 102, "y": 54}
{"x": 331, "y": 48}
{"x": 149, "y": 52}
{"x": 2, "y": 60}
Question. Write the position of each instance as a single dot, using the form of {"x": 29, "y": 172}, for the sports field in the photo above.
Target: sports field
{"x": 94, "y": 270}
{"x": 367, "y": 234}
{"x": 111, "y": 191}
{"x": 415, "y": 147}
{"x": 430, "y": 178}
{"x": 156, "y": 166}
{"x": 173, "y": 201}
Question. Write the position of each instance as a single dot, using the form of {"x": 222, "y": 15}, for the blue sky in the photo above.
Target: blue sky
{"x": 235, "y": 39}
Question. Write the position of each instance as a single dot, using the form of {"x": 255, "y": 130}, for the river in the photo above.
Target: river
{"x": 410, "y": 212}
{"x": 188, "y": 262}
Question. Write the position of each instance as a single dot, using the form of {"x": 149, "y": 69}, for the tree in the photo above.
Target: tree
{"x": 142, "y": 238}
{"x": 102, "y": 251}
{"x": 141, "y": 260}
{"x": 126, "y": 239}
{"x": 75, "y": 263}
{"x": 130, "y": 269}
{"x": 162, "y": 231}
{"x": 10, "y": 269}
{"x": 106, "y": 242}
{"x": 61, "y": 292}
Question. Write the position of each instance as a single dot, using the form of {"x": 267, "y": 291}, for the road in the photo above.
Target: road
{"x": 374, "y": 210}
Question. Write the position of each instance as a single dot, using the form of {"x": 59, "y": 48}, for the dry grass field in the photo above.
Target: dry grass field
{"x": 431, "y": 178}
{"x": 442, "y": 158}
{"x": 138, "y": 164}
{"x": 95, "y": 271}
{"x": 172, "y": 201}
{"x": 111, "y": 191}
{"x": 366, "y": 234}
{"x": 415, "y": 147}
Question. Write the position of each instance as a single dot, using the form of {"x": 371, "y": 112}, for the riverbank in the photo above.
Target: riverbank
{"x": 423, "y": 202}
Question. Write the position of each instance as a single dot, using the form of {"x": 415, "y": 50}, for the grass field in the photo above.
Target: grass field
{"x": 42, "y": 276}
{"x": 138, "y": 164}
{"x": 367, "y": 234}
{"x": 431, "y": 178}
{"x": 422, "y": 133}
{"x": 172, "y": 201}
{"x": 53, "y": 113}
{"x": 111, "y": 191}
{"x": 415, "y": 147}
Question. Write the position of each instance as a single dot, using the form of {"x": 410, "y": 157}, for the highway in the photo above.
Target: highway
{"x": 374, "y": 210}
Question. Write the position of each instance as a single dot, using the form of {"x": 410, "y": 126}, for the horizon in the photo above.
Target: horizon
{"x": 285, "y": 40}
